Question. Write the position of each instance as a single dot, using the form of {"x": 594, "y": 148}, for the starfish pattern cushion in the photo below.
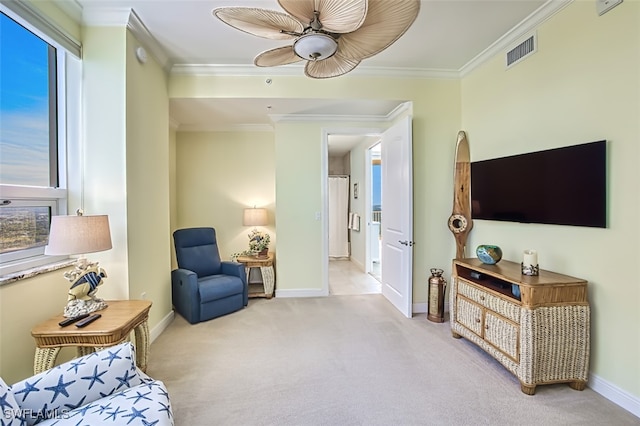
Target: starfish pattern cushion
{"x": 145, "y": 405}
{"x": 54, "y": 393}
{"x": 10, "y": 414}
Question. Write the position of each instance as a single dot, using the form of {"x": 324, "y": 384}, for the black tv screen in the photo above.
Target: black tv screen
{"x": 561, "y": 186}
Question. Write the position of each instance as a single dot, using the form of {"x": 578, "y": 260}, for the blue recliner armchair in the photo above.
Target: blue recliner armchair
{"x": 204, "y": 287}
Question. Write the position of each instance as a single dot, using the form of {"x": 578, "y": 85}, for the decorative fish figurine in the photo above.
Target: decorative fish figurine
{"x": 86, "y": 286}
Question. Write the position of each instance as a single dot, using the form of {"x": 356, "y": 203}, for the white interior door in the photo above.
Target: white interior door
{"x": 397, "y": 218}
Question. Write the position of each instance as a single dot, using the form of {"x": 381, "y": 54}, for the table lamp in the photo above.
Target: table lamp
{"x": 258, "y": 241}
{"x": 254, "y": 217}
{"x": 79, "y": 235}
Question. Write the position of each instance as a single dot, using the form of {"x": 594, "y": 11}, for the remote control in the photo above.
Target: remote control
{"x": 71, "y": 320}
{"x": 88, "y": 320}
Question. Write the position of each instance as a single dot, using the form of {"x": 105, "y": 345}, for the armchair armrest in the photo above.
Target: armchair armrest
{"x": 184, "y": 291}
{"x": 234, "y": 268}
{"x": 238, "y": 270}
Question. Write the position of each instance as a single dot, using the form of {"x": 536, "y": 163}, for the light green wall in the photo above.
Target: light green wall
{"x": 298, "y": 181}
{"x": 125, "y": 145}
{"x": 23, "y": 304}
{"x": 147, "y": 186}
{"x": 582, "y": 85}
{"x": 218, "y": 175}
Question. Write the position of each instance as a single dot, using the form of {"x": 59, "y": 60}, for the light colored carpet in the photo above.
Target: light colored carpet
{"x": 349, "y": 360}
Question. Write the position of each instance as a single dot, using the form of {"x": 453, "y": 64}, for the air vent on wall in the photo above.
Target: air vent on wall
{"x": 521, "y": 51}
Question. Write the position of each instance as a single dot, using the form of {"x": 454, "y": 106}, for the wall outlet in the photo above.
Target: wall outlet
{"x": 603, "y": 6}
{"x": 143, "y": 295}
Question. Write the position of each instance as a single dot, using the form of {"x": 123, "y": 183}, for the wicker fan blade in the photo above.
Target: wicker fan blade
{"x": 279, "y": 56}
{"x": 330, "y": 67}
{"x": 259, "y": 22}
{"x": 336, "y": 16}
{"x": 386, "y": 21}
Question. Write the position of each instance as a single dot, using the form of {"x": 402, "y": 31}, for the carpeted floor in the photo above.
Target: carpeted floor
{"x": 349, "y": 360}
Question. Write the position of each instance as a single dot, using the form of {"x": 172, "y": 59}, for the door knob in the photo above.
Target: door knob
{"x": 407, "y": 243}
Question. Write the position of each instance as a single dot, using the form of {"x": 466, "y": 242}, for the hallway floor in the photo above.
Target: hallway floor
{"x": 346, "y": 278}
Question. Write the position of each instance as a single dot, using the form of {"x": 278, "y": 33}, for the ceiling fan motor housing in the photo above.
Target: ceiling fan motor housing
{"x": 315, "y": 46}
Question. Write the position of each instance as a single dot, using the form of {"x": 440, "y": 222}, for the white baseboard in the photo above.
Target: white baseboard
{"x": 615, "y": 394}
{"x": 161, "y": 326}
{"x": 301, "y": 293}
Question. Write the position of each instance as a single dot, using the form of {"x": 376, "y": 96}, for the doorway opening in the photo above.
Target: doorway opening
{"x": 349, "y": 160}
{"x": 374, "y": 160}
{"x": 396, "y": 225}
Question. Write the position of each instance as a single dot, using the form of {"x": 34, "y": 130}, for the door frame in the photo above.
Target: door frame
{"x": 324, "y": 193}
{"x": 323, "y": 216}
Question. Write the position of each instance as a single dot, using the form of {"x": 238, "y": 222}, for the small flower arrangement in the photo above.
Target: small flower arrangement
{"x": 258, "y": 241}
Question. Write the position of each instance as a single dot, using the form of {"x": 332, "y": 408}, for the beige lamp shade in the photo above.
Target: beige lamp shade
{"x": 78, "y": 235}
{"x": 254, "y": 217}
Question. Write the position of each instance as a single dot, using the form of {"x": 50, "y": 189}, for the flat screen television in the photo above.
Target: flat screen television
{"x": 560, "y": 186}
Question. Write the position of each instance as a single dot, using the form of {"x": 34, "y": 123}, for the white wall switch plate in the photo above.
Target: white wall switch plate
{"x": 603, "y": 6}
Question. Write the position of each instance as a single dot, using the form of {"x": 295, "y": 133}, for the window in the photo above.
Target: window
{"x": 33, "y": 136}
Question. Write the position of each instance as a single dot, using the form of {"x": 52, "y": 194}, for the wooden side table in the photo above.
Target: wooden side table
{"x": 266, "y": 269}
{"x": 118, "y": 319}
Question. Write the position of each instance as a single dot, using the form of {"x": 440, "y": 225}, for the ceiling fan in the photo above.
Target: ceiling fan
{"x": 333, "y": 36}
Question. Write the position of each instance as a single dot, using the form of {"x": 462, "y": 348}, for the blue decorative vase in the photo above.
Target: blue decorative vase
{"x": 489, "y": 254}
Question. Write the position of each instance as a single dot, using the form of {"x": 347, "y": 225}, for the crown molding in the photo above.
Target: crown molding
{"x": 402, "y": 109}
{"x": 530, "y": 23}
{"x": 114, "y": 16}
{"x": 391, "y": 116}
{"x": 126, "y": 17}
{"x": 144, "y": 36}
{"x": 106, "y": 17}
{"x": 71, "y": 8}
{"x": 526, "y": 26}
{"x": 231, "y": 70}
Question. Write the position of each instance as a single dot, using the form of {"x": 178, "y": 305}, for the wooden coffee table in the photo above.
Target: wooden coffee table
{"x": 118, "y": 320}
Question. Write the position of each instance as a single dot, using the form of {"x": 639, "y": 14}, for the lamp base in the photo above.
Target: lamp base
{"x": 85, "y": 278}
{"x": 78, "y": 307}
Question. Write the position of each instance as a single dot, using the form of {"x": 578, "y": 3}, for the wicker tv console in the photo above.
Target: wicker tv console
{"x": 541, "y": 337}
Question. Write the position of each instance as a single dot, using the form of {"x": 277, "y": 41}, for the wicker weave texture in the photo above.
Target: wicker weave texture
{"x": 557, "y": 344}
{"x": 470, "y": 315}
{"x": 501, "y": 306}
{"x": 548, "y": 344}
{"x": 502, "y": 334}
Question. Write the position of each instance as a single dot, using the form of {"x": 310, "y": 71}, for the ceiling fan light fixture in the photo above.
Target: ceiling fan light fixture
{"x": 315, "y": 46}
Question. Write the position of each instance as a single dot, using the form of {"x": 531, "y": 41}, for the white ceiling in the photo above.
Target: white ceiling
{"x": 447, "y": 36}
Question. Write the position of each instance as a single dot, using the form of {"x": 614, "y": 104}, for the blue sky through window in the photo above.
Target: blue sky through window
{"x": 24, "y": 106}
